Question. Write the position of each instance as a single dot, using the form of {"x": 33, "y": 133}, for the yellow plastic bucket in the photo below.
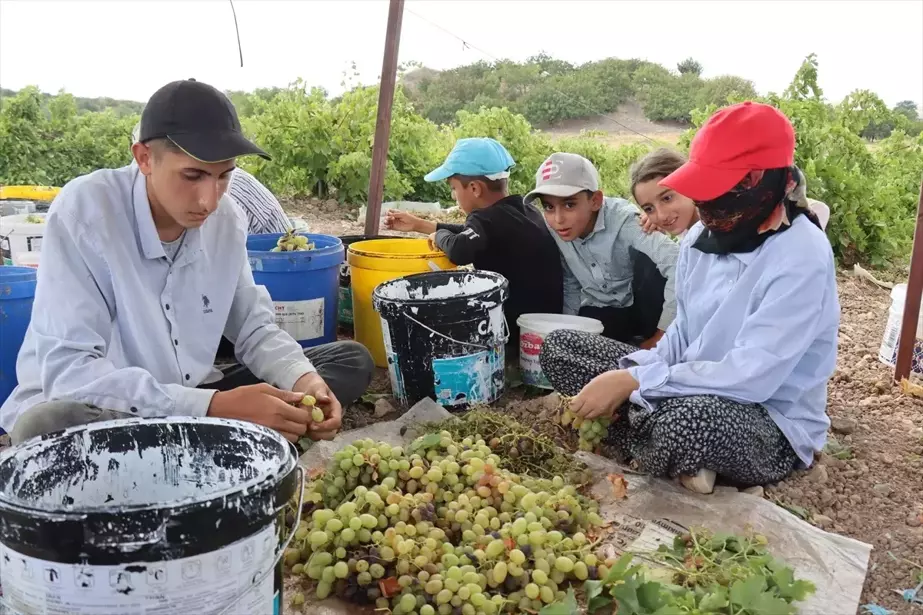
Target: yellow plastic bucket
{"x": 28, "y": 193}
{"x": 379, "y": 260}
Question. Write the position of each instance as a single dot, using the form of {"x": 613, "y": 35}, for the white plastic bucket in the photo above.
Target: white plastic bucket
{"x": 20, "y": 234}
{"x": 532, "y": 331}
{"x": 26, "y": 259}
{"x": 887, "y": 353}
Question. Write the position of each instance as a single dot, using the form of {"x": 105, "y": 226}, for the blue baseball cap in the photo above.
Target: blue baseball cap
{"x": 479, "y": 156}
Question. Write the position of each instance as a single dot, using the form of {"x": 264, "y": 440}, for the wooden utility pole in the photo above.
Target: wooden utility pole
{"x": 383, "y": 124}
{"x": 908, "y": 337}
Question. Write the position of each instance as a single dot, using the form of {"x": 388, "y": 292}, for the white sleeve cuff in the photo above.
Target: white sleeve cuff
{"x": 286, "y": 376}
{"x": 191, "y": 401}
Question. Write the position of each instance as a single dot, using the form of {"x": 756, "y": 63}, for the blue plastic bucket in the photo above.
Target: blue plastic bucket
{"x": 304, "y": 286}
{"x": 17, "y": 291}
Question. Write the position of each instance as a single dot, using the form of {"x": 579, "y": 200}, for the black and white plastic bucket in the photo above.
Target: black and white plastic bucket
{"x": 142, "y": 516}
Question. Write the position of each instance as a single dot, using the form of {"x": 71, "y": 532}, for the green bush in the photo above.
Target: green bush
{"x": 323, "y": 147}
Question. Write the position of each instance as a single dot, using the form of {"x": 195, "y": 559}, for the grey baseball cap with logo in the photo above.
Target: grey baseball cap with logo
{"x": 564, "y": 175}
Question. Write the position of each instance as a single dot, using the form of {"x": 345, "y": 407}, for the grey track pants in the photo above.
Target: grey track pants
{"x": 345, "y": 366}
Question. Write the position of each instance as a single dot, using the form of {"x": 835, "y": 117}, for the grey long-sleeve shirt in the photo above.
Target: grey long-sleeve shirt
{"x": 598, "y": 269}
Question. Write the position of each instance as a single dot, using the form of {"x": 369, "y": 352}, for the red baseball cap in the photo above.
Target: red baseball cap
{"x": 745, "y": 137}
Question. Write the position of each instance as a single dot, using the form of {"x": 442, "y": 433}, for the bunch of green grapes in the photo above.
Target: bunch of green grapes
{"x": 591, "y": 432}
{"x": 290, "y": 242}
{"x": 441, "y": 529}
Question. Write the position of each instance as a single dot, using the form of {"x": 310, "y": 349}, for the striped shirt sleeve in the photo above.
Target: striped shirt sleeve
{"x": 264, "y": 213}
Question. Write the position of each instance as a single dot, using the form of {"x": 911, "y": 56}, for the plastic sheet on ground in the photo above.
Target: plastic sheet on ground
{"x": 655, "y": 510}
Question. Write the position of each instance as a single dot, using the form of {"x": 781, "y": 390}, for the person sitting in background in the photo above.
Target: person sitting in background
{"x": 612, "y": 271}
{"x": 662, "y": 209}
{"x": 144, "y": 268}
{"x": 665, "y": 211}
{"x": 264, "y": 212}
{"x": 500, "y": 234}
{"x": 738, "y": 385}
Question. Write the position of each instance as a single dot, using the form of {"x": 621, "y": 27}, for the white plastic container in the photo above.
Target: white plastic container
{"x": 18, "y": 234}
{"x": 887, "y": 353}
{"x": 26, "y": 259}
{"x": 532, "y": 331}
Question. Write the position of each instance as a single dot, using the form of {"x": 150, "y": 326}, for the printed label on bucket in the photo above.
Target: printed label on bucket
{"x": 204, "y": 584}
{"x": 303, "y": 320}
{"x": 465, "y": 380}
{"x": 530, "y": 349}
{"x": 887, "y": 352}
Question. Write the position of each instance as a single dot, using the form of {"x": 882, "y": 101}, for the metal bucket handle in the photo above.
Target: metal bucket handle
{"x": 281, "y": 549}
{"x": 505, "y": 338}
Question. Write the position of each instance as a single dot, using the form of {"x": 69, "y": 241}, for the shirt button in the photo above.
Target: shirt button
{"x": 187, "y": 376}
{"x": 176, "y": 342}
{"x": 167, "y": 306}
{"x": 133, "y": 409}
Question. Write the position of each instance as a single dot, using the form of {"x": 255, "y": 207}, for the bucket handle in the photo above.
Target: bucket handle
{"x": 505, "y": 338}
{"x": 281, "y": 549}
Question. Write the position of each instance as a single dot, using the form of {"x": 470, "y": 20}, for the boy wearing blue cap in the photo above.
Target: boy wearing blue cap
{"x": 501, "y": 233}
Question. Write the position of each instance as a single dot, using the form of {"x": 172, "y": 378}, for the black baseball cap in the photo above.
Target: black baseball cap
{"x": 199, "y": 119}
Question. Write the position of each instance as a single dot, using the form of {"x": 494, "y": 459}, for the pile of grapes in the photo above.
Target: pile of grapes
{"x": 441, "y": 528}
{"x": 590, "y": 431}
{"x": 290, "y": 242}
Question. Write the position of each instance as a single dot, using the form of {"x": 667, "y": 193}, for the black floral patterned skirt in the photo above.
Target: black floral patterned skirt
{"x": 682, "y": 435}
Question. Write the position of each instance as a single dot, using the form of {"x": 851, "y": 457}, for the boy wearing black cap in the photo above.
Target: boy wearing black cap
{"x": 501, "y": 233}
{"x": 144, "y": 268}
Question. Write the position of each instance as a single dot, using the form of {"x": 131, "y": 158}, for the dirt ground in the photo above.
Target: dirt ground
{"x": 868, "y": 484}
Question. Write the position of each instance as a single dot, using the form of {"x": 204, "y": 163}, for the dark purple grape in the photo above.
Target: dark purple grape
{"x": 495, "y": 534}
{"x": 526, "y": 550}
{"x": 592, "y": 572}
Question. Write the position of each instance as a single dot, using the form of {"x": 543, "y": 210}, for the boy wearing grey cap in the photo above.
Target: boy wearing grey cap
{"x": 603, "y": 250}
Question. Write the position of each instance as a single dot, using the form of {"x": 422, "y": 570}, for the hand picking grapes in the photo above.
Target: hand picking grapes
{"x": 290, "y": 242}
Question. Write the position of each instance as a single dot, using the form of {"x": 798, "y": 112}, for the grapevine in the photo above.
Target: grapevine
{"x": 521, "y": 449}
{"x": 442, "y": 528}
{"x": 290, "y": 242}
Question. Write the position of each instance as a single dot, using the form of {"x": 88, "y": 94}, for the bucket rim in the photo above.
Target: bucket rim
{"x": 535, "y": 322}
{"x": 334, "y": 243}
{"x": 390, "y": 255}
{"x": 502, "y": 287}
{"x": 253, "y": 486}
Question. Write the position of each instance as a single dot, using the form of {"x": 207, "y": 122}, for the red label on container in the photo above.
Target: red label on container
{"x": 530, "y": 343}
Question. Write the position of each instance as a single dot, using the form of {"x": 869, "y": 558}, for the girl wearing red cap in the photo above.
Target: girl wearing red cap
{"x": 737, "y": 387}
{"x": 664, "y": 210}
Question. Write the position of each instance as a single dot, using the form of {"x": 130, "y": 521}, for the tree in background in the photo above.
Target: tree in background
{"x": 689, "y": 67}
{"x": 908, "y": 109}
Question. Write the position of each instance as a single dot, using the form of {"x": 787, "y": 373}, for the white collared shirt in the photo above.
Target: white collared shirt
{"x": 117, "y": 325}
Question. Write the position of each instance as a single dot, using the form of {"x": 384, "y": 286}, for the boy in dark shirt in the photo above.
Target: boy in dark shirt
{"x": 501, "y": 233}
